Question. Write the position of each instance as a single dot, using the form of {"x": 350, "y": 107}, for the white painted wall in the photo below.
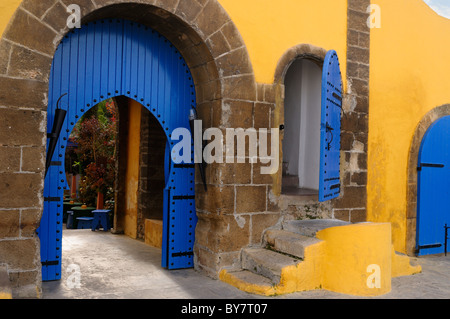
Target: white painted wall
{"x": 301, "y": 145}
{"x": 292, "y": 107}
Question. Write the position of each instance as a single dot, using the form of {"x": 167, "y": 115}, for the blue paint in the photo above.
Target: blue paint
{"x": 330, "y": 128}
{"x": 433, "y": 191}
{"x": 111, "y": 58}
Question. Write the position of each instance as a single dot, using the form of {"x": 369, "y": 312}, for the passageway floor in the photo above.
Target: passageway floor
{"x": 111, "y": 266}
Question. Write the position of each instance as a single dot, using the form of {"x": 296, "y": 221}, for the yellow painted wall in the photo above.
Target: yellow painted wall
{"x": 7, "y": 8}
{"x": 153, "y": 234}
{"x": 353, "y": 254}
{"x": 409, "y": 64}
{"x": 356, "y": 259}
{"x": 132, "y": 171}
{"x": 269, "y": 28}
{"x": 409, "y": 67}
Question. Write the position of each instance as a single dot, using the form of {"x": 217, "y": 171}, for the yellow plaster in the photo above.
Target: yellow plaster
{"x": 351, "y": 250}
{"x": 409, "y": 69}
{"x": 343, "y": 262}
{"x": 153, "y": 232}
{"x": 5, "y": 295}
{"x": 251, "y": 288}
{"x": 401, "y": 265}
{"x": 132, "y": 171}
{"x": 269, "y": 28}
{"x": 7, "y": 9}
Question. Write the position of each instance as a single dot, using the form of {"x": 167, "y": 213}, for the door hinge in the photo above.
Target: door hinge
{"x": 183, "y": 197}
{"x": 335, "y": 186}
{"x": 184, "y": 166}
{"x": 50, "y": 263}
{"x": 427, "y": 247}
{"x": 337, "y": 97}
{"x": 186, "y": 253}
{"x": 419, "y": 168}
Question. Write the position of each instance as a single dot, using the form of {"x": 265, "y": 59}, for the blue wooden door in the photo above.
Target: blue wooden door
{"x": 330, "y": 128}
{"x": 433, "y": 193}
{"x": 104, "y": 59}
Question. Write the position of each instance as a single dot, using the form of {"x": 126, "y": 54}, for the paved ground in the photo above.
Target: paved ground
{"x": 118, "y": 267}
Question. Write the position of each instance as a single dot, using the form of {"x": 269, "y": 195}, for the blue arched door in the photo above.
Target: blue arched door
{"x": 109, "y": 58}
{"x": 433, "y": 197}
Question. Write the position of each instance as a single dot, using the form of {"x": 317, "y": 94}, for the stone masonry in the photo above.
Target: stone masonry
{"x": 351, "y": 206}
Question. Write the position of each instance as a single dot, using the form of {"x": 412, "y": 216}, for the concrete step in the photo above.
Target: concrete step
{"x": 312, "y": 226}
{"x": 288, "y": 242}
{"x": 266, "y": 263}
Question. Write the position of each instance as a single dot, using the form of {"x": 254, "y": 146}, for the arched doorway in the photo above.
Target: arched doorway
{"x": 432, "y": 188}
{"x": 109, "y": 58}
{"x": 209, "y": 47}
{"x": 301, "y": 146}
{"x": 312, "y": 127}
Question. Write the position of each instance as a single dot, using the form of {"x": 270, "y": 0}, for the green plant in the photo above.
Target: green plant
{"x": 95, "y": 136}
{"x": 87, "y": 194}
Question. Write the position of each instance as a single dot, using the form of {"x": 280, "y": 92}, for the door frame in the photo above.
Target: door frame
{"x": 412, "y": 177}
{"x": 433, "y": 166}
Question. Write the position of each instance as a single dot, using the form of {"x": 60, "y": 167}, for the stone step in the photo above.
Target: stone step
{"x": 288, "y": 242}
{"x": 290, "y": 181}
{"x": 250, "y": 282}
{"x": 311, "y": 226}
{"x": 266, "y": 263}
{"x": 249, "y": 277}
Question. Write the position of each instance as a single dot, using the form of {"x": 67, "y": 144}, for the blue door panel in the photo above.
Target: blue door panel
{"x": 433, "y": 191}
{"x": 111, "y": 58}
{"x": 330, "y": 128}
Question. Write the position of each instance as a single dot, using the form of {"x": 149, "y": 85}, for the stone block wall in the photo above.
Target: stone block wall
{"x": 236, "y": 209}
{"x": 151, "y": 174}
{"x": 352, "y": 202}
{"x": 24, "y": 71}
{"x": 351, "y": 206}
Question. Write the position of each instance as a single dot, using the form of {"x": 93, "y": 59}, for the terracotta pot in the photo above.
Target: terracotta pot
{"x": 73, "y": 188}
{"x": 99, "y": 200}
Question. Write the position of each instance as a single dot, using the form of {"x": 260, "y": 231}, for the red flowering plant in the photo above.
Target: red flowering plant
{"x": 95, "y": 137}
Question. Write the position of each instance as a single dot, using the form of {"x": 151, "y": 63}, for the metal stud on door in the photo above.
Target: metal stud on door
{"x": 104, "y": 59}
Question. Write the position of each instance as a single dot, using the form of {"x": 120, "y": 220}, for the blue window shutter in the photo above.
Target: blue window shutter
{"x": 330, "y": 128}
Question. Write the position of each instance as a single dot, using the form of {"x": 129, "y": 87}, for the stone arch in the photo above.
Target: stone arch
{"x": 221, "y": 69}
{"x": 411, "y": 187}
{"x": 214, "y": 49}
{"x": 351, "y": 205}
{"x": 317, "y": 55}
{"x": 305, "y": 51}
